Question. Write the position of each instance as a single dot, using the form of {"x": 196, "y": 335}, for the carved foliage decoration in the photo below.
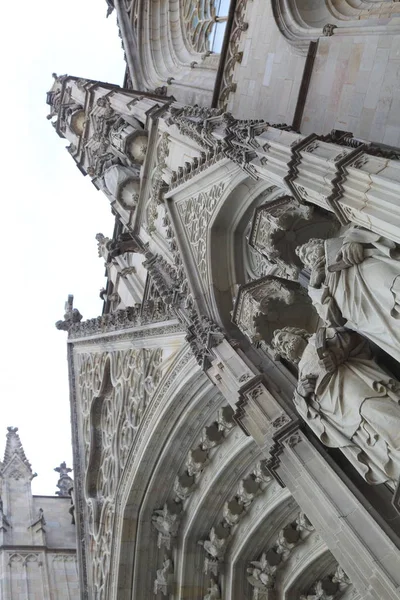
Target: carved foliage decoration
{"x": 166, "y": 521}
{"x": 266, "y": 304}
{"x": 196, "y": 213}
{"x": 233, "y": 55}
{"x": 261, "y": 573}
{"x": 115, "y": 389}
{"x": 331, "y": 587}
{"x": 233, "y": 511}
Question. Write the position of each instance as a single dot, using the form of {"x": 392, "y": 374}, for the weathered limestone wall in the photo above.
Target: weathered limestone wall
{"x": 269, "y": 76}
{"x": 354, "y": 86}
{"x": 37, "y": 538}
{"x": 60, "y": 532}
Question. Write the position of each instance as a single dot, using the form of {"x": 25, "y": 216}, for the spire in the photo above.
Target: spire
{"x": 14, "y": 447}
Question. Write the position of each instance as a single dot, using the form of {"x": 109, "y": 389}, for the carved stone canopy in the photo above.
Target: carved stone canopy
{"x": 278, "y": 227}
{"x": 130, "y": 139}
{"x": 270, "y": 303}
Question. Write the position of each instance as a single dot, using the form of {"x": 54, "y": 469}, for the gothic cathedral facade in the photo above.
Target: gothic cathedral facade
{"x": 236, "y": 407}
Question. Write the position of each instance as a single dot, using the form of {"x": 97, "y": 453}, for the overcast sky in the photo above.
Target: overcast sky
{"x": 50, "y": 215}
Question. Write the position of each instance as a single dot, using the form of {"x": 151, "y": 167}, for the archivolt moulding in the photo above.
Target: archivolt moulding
{"x": 302, "y": 21}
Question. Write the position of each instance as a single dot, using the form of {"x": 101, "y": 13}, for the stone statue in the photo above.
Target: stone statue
{"x": 346, "y": 398}
{"x": 355, "y": 281}
{"x": 213, "y": 591}
{"x": 65, "y": 482}
{"x": 162, "y": 582}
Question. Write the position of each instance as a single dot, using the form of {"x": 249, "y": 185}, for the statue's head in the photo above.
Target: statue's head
{"x": 291, "y": 342}
{"x": 311, "y": 252}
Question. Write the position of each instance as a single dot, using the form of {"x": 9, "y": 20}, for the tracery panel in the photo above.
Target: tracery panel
{"x": 115, "y": 389}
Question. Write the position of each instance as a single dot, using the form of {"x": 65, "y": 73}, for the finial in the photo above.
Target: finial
{"x": 14, "y": 447}
{"x": 72, "y": 315}
{"x": 65, "y": 483}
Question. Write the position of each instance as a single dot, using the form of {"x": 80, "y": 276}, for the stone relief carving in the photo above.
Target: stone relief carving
{"x": 181, "y": 276}
{"x": 278, "y": 227}
{"x": 195, "y": 214}
{"x": 346, "y": 398}
{"x": 113, "y": 141}
{"x": 355, "y": 281}
{"x": 262, "y": 305}
{"x": 113, "y": 399}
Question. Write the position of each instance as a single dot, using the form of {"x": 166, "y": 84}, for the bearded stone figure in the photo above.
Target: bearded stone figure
{"x": 355, "y": 281}
{"x": 346, "y": 398}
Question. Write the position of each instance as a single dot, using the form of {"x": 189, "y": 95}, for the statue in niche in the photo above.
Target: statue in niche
{"x": 346, "y": 398}
{"x": 355, "y": 281}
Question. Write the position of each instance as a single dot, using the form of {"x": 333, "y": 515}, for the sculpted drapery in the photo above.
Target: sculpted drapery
{"x": 355, "y": 281}
{"x": 347, "y": 399}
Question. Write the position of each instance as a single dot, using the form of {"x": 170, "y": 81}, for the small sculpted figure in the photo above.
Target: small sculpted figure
{"x": 213, "y": 591}
{"x": 355, "y": 281}
{"x": 346, "y": 398}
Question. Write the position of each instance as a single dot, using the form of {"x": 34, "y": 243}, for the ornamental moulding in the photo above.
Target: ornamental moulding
{"x": 233, "y": 55}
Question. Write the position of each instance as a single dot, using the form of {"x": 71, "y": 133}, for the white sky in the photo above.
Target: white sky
{"x": 50, "y": 214}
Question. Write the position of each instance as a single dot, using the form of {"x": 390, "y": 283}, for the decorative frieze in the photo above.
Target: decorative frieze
{"x": 232, "y": 513}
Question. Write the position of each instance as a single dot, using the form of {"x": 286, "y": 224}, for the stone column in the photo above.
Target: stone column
{"x": 359, "y": 544}
{"x": 356, "y": 186}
